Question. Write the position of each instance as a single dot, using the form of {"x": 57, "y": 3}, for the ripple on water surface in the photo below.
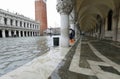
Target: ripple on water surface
{"x": 15, "y": 52}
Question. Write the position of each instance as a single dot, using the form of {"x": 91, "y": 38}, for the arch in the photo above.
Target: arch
{"x": 21, "y": 32}
{"x": 93, "y": 8}
{"x": 17, "y": 33}
{"x": 109, "y": 26}
{"x": 0, "y": 33}
{"x": 6, "y": 33}
{"x": 28, "y": 33}
{"x": 12, "y": 33}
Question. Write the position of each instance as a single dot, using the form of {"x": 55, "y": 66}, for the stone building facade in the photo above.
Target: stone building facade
{"x": 41, "y": 14}
{"x": 96, "y": 18}
{"x": 16, "y": 25}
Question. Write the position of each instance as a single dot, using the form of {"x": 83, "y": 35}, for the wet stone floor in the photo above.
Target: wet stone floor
{"x": 15, "y": 52}
{"x": 89, "y": 58}
{"x": 92, "y": 59}
{"x": 63, "y": 72}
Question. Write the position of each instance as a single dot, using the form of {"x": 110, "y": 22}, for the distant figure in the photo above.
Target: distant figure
{"x": 50, "y": 34}
{"x": 71, "y": 36}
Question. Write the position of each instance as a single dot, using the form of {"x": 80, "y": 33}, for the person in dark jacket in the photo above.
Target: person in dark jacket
{"x": 71, "y": 36}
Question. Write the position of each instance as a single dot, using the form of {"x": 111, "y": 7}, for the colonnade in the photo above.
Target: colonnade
{"x": 15, "y": 25}
{"x": 17, "y": 33}
{"x": 102, "y": 24}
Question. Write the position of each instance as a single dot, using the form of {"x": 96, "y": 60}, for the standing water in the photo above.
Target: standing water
{"x": 15, "y": 52}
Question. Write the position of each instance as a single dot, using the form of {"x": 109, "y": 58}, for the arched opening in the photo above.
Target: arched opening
{"x": 6, "y": 33}
{"x": 12, "y": 33}
{"x": 28, "y": 33}
{"x": 17, "y": 33}
{"x": 0, "y": 33}
{"x": 110, "y": 13}
{"x": 21, "y": 33}
{"x": 31, "y": 33}
{"x": 25, "y": 33}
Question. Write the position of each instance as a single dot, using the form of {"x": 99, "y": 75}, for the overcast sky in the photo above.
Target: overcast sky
{"x": 27, "y": 8}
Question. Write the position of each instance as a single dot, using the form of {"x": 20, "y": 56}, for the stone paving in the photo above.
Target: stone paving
{"x": 89, "y": 58}
{"x": 15, "y": 52}
{"x": 86, "y": 62}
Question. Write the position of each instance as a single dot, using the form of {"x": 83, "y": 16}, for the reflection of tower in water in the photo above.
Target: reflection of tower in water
{"x": 41, "y": 14}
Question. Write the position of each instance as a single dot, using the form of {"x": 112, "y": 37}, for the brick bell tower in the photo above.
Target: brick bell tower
{"x": 41, "y": 14}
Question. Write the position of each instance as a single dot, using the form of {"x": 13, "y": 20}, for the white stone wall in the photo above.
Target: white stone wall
{"x": 15, "y": 22}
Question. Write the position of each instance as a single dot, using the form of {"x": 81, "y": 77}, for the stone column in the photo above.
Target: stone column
{"x": 64, "y": 7}
{"x": 19, "y": 33}
{"x": 29, "y": 34}
{"x": 102, "y": 30}
{"x": 33, "y": 34}
{"x": 18, "y": 23}
{"x": 3, "y": 33}
{"x": 26, "y": 33}
{"x": 14, "y": 22}
{"x": 10, "y": 35}
{"x": 8, "y": 21}
{"x": 25, "y": 24}
{"x": 76, "y": 32}
{"x": 22, "y": 24}
{"x": 115, "y": 25}
{"x": 23, "y": 34}
{"x": 14, "y": 32}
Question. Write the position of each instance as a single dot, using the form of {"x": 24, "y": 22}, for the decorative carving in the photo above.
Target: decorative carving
{"x": 64, "y": 6}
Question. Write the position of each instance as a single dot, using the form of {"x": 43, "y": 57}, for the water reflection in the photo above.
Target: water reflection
{"x": 15, "y": 52}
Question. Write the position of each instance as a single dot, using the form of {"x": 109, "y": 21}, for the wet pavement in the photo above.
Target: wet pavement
{"x": 15, "y": 52}
{"x": 88, "y": 58}
{"x": 108, "y": 50}
{"x": 85, "y": 62}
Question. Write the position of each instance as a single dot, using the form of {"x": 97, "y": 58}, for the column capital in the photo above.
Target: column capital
{"x": 64, "y": 6}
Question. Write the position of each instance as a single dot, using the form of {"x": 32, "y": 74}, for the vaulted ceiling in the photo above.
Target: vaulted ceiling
{"x": 87, "y": 11}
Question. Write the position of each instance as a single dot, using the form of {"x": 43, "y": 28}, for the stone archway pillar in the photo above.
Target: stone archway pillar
{"x": 115, "y": 24}
{"x": 10, "y": 35}
{"x": 3, "y": 33}
{"x": 64, "y": 7}
{"x": 15, "y": 33}
{"x": 19, "y": 33}
{"x": 23, "y": 33}
{"x": 102, "y": 29}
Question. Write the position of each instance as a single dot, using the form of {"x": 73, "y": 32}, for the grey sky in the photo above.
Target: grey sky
{"x": 26, "y": 7}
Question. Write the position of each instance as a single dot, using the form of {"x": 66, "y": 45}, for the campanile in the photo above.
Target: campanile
{"x": 41, "y": 14}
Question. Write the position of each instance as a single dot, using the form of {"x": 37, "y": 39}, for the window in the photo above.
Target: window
{"x": 16, "y": 23}
{"x": 24, "y": 24}
{"x": 20, "y": 23}
{"x": 11, "y": 22}
{"x": 5, "y": 21}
